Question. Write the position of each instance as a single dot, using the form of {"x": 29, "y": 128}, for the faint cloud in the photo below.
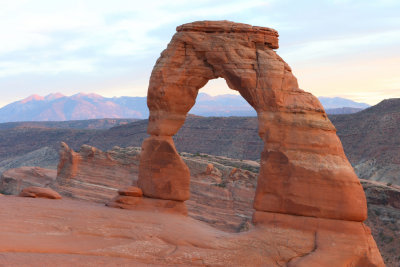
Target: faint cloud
{"x": 57, "y": 32}
{"x": 341, "y": 45}
{"x": 50, "y": 67}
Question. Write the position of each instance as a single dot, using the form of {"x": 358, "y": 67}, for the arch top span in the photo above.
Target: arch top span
{"x": 255, "y": 34}
{"x": 304, "y": 170}
{"x": 241, "y": 54}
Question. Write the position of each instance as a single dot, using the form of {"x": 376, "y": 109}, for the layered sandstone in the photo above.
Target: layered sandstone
{"x": 221, "y": 193}
{"x": 304, "y": 170}
{"x": 131, "y": 191}
{"x": 14, "y": 180}
{"x": 94, "y": 175}
{"x": 132, "y": 198}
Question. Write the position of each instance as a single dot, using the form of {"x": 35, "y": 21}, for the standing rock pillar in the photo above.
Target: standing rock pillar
{"x": 162, "y": 172}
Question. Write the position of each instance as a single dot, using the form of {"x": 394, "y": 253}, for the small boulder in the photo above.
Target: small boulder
{"x": 39, "y": 192}
{"x": 131, "y": 191}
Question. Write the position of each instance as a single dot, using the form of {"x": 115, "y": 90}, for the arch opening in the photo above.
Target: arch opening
{"x": 216, "y": 99}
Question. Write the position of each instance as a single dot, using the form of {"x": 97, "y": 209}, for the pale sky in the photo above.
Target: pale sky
{"x": 336, "y": 48}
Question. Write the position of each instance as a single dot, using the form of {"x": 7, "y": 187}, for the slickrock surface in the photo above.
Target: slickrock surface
{"x": 40, "y": 232}
{"x": 304, "y": 170}
{"x": 39, "y": 192}
{"x": 14, "y": 180}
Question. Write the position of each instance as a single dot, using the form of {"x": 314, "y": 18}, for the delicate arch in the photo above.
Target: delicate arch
{"x": 304, "y": 170}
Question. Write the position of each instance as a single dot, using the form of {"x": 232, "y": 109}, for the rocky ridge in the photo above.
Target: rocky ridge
{"x": 373, "y": 156}
{"x": 370, "y": 139}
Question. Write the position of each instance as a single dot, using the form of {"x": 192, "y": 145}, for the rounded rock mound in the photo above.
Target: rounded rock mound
{"x": 39, "y": 192}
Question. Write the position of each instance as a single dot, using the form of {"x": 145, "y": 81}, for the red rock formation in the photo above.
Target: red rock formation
{"x": 13, "y": 181}
{"x": 39, "y": 192}
{"x": 131, "y": 191}
{"x": 221, "y": 195}
{"x": 351, "y": 240}
{"x": 94, "y": 175}
{"x": 132, "y": 198}
{"x": 163, "y": 173}
{"x": 304, "y": 170}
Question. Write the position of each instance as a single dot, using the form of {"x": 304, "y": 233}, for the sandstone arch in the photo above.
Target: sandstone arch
{"x": 304, "y": 170}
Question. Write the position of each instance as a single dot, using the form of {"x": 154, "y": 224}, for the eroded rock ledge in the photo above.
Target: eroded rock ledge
{"x": 257, "y": 34}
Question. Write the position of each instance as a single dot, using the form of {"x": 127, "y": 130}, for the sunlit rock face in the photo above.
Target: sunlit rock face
{"x": 304, "y": 170}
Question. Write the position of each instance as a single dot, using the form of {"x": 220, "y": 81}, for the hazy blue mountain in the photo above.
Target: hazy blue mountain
{"x": 339, "y": 102}
{"x": 58, "y": 107}
{"x": 344, "y": 110}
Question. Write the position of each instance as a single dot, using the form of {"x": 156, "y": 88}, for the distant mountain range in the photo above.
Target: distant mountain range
{"x": 339, "y": 102}
{"x": 370, "y": 138}
{"x": 58, "y": 107}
